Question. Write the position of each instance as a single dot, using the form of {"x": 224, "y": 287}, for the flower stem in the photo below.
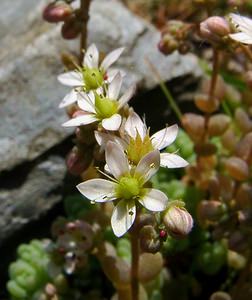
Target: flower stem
{"x": 134, "y": 261}
{"x": 165, "y": 90}
{"x": 84, "y": 13}
{"x": 215, "y": 72}
{"x": 247, "y": 51}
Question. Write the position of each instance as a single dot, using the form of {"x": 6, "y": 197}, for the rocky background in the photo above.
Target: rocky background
{"x": 32, "y": 142}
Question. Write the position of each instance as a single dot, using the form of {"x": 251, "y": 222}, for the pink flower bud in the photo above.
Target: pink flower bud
{"x": 77, "y": 163}
{"x": 214, "y": 28}
{"x": 57, "y": 12}
{"x": 178, "y": 221}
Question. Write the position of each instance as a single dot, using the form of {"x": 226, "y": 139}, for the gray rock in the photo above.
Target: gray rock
{"x": 30, "y": 62}
{"x": 35, "y": 196}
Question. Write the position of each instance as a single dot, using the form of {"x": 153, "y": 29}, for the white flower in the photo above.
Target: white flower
{"x": 90, "y": 76}
{"x": 104, "y": 109}
{"x": 244, "y": 26}
{"x": 127, "y": 187}
{"x": 138, "y": 142}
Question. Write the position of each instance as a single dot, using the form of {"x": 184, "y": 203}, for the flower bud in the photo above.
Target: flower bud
{"x": 244, "y": 148}
{"x": 242, "y": 120}
{"x": 244, "y": 195}
{"x": 220, "y": 296}
{"x": 219, "y": 90}
{"x": 77, "y": 162}
{"x": 71, "y": 29}
{"x": 167, "y": 44}
{"x": 178, "y": 221}
{"x": 229, "y": 139}
{"x": 206, "y": 104}
{"x": 194, "y": 125}
{"x": 57, "y": 12}
{"x": 218, "y": 124}
{"x": 236, "y": 260}
{"x": 214, "y": 29}
{"x": 237, "y": 168}
{"x": 210, "y": 210}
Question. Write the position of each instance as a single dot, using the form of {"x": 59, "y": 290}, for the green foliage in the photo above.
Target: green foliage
{"x": 212, "y": 257}
{"x": 28, "y": 273}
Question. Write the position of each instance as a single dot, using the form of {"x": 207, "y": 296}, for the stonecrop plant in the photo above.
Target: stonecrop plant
{"x": 164, "y": 215}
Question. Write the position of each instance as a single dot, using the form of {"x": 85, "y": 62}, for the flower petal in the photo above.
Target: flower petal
{"x": 98, "y": 190}
{"x": 91, "y": 57}
{"x": 148, "y": 165}
{"x": 116, "y": 160}
{"x": 154, "y": 200}
{"x": 127, "y": 96}
{"x": 111, "y": 73}
{"x": 115, "y": 87}
{"x": 241, "y": 37}
{"x": 103, "y": 138}
{"x": 170, "y": 160}
{"x": 80, "y": 120}
{"x": 73, "y": 78}
{"x": 86, "y": 102}
{"x": 113, "y": 123}
{"x": 111, "y": 58}
{"x": 70, "y": 98}
{"x": 242, "y": 23}
{"x": 123, "y": 217}
{"x": 164, "y": 137}
{"x": 134, "y": 124}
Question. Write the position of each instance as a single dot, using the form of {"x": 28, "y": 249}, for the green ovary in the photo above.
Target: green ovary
{"x": 138, "y": 148}
{"x": 128, "y": 188}
{"x": 93, "y": 78}
{"x": 105, "y": 108}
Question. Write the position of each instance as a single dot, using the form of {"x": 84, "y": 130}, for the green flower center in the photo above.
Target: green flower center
{"x": 105, "y": 107}
{"x": 128, "y": 188}
{"x": 93, "y": 78}
{"x": 137, "y": 148}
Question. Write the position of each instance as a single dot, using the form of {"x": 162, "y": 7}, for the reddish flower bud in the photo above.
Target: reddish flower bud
{"x": 71, "y": 29}
{"x": 214, "y": 29}
{"x": 57, "y": 12}
{"x": 178, "y": 221}
{"x": 163, "y": 234}
{"x": 218, "y": 124}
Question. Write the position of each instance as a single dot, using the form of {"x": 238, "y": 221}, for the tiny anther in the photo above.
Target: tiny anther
{"x": 131, "y": 213}
{"x": 152, "y": 165}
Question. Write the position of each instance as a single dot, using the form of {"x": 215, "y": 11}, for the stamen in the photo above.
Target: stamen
{"x": 106, "y": 175}
{"x": 152, "y": 165}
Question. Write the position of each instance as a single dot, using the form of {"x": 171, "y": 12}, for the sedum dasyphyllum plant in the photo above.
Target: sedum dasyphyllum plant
{"x": 141, "y": 193}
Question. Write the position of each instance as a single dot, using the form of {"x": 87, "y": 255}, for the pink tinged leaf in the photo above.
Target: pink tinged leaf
{"x": 91, "y": 57}
{"x": 98, "y": 190}
{"x": 164, "y": 137}
{"x": 86, "y": 102}
{"x": 115, "y": 87}
{"x": 111, "y": 58}
{"x": 123, "y": 217}
{"x": 80, "y": 120}
{"x": 148, "y": 165}
{"x": 170, "y": 160}
{"x": 70, "y": 98}
{"x": 135, "y": 125}
{"x": 154, "y": 200}
{"x": 73, "y": 78}
{"x": 113, "y": 123}
{"x": 116, "y": 160}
